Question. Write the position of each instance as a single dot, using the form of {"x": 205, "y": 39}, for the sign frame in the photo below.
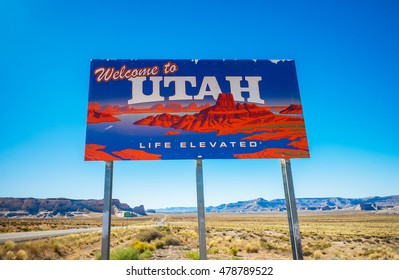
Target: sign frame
{"x": 194, "y": 109}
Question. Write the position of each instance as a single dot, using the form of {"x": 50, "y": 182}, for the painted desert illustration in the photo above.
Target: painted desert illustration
{"x": 241, "y": 130}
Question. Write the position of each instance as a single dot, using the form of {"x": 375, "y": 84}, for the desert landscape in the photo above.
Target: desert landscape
{"x": 332, "y": 235}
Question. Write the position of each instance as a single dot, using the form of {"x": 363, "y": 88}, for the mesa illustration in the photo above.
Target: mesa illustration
{"x": 247, "y": 122}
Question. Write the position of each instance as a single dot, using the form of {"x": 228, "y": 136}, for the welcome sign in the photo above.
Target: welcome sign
{"x": 194, "y": 109}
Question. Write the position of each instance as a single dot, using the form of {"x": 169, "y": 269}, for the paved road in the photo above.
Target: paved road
{"x": 31, "y": 235}
{"x": 162, "y": 222}
{"x": 24, "y": 236}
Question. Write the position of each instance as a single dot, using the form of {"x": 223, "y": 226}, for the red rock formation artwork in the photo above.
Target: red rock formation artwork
{"x": 275, "y": 153}
{"x": 94, "y": 152}
{"x": 158, "y": 107}
{"x": 291, "y": 132}
{"x": 225, "y": 117}
{"x": 302, "y": 143}
{"x": 229, "y": 117}
{"x": 173, "y": 132}
{"x": 174, "y": 106}
{"x": 97, "y": 113}
{"x": 192, "y": 106}
{"x": 293, "y": 109}
{"x": 171, "y": 107}
{"x": 95, "y": 116}
{"x": 136, "y": 155}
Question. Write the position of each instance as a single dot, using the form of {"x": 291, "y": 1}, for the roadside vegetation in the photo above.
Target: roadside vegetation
{"x": 339, "y": 235}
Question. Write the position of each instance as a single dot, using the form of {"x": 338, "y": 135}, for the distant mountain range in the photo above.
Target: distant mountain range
{"x": 97, "y": 113}
{"x": 311, "y": 204}
{"x": 53, "y": 207}
{"x": 50, "y": 207}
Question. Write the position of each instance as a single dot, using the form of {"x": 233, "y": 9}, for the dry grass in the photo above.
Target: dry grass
{"x": 76, "y": 246}
{"x": 36, "y": 224}
{"x": 333, "y": 235}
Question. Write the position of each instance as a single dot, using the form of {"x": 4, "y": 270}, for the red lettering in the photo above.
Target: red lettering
{"x": 121, "y": 72}
{"x": 170, "y": 68}
{"x": 106, "y": 74}
{"x": 128, "y": 72}
{"x": 115, "y": 76}
{"x": 103, "y": 74}
{"x": 154, "y": 70}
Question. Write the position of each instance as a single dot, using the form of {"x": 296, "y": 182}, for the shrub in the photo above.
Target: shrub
{"x": 251, "y": 248}
{"x": 213, "y": 250}
{"x": 142, "y": 246}
{"x": 233, "y": 251}
{"x": 212, "y": 243}
{"x": 321, "y": 245}
{"x": 164, "y": 230}
{"x": 159, "y": 244}
{"x": 228, "y": 238}
{"x": 10, "y": 255}
{"x": 376, "y": 256}
{"x": 146, "y": 255}
{"x": 367, "y": 252}
{"x": 125, "y": 254}
{"x": 172, "y": 241}
{"x": 307, "y": 253}
{"x": 317, "y": 255}
{"x": 268, "y": 246}
{"x": 193, "y": 255}
{"x": 148, "y": 235}
{"x": 21, "y": 255}
{"x": 59, "y": 248}
{"x": 34, "y": 249}
{"x": 9, "y": 245}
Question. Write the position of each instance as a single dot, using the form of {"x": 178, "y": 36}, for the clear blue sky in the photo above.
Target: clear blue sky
{"x": 347, "y": 62}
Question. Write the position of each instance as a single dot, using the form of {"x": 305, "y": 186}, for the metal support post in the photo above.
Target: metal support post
{"x": 105, "y": 242}
{"x": 201, "y": 210}
{"x": 292, "y": 212}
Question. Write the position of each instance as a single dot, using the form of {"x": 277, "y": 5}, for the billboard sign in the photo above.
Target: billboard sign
{"x": 194, "y": 109}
